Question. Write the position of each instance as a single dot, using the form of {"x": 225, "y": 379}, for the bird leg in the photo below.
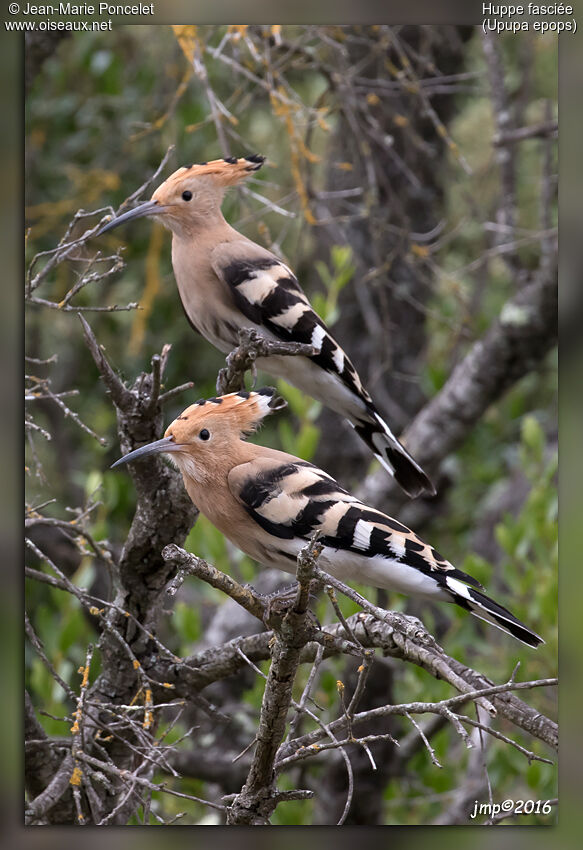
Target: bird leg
{"x": 251, "y": 346}
{"x": 278, "y": 603}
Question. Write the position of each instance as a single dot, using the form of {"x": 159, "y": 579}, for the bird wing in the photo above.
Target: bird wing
{"x": 293, "y": 499}
{"x": 267, "y": 293}
{"x": 289, "y": 500}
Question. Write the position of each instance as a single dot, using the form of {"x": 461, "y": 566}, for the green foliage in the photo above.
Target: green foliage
{"x": 302, "y": 438}
{"x": 530, "y": 540}
{"x": 473, "y": 279}
{"x": 334, "y": 280}
{"x": 187, "y": 621}
{"x": 65, "y": 636}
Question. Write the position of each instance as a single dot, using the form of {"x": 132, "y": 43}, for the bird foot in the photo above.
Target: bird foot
{"x": 281, "y": 601}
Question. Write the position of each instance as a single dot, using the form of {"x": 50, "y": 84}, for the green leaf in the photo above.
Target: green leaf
{"x": 287, "y": 436}
{"x": 504, "y": 538}
{"x": 307, "y": 441}
{"x": 297, "y": 400}
{"x": 188, "y": 622}
{"x": 533, "y": 437}
{"x": 73, "y": 631}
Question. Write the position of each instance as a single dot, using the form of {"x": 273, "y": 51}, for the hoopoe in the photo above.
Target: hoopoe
{"x": 227, "y": 282}
{"x": 269, "y": 503}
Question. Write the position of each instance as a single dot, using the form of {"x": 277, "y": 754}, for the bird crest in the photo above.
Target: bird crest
{"x": 223, "y": 172}
{"x": 243, "y": 411}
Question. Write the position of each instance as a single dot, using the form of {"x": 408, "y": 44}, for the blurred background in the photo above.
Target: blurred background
{"x": 410, "y": 221}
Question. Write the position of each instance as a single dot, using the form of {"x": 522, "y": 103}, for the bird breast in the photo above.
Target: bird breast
{"x": 207, "y": 301}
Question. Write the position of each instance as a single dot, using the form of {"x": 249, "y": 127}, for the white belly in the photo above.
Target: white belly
{"x": 313, "y": 380}
{"x": 376, "y": 572}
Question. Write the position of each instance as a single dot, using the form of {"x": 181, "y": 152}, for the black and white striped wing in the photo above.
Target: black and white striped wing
{"x": 290, "y": 501}
{"x": 295, "y": 499}
{"x": 267, "y": 292}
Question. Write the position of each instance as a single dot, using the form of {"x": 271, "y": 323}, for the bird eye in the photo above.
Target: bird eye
{"x": 187, "y": 195}
{"x": 204, "y": 434}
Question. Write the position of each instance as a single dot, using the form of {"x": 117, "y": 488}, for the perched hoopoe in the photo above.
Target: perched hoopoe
{"x": 227, "y": 282}
{"x": 269, "y": 503}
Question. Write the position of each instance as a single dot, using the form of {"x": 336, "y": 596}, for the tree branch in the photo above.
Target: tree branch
{"x": 399, "y": 636}
{"x": 258, "y": 797}
{"x": 251, "y": 346}
{"x": 514, "y": 345}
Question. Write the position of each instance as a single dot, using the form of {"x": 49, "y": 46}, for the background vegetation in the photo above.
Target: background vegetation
{"x": 411, "y": 183}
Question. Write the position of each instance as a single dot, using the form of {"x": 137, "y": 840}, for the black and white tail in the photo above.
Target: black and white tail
{"x": 393, "y": 456}
{"x": 486, "y": 609}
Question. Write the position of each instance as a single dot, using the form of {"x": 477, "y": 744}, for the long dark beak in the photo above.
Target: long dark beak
{"x": 166, "y": 444}
{"x": 147, "y": 208}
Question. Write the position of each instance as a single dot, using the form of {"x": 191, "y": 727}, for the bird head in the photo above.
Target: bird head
{"x": 193, "y": 193}
{"x": 209, "y": 431}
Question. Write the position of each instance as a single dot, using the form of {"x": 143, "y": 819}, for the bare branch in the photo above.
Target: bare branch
{"x": 114, "y": 771}
{"x": 114, "y": 385}
{"x": 251, "y": 346}
{"x": 258, "y": 797}
{"x": 442, "y": 707}
{"x": 59, "y": 784}
{"x": 520, "y": 134}
{"x": 146, "y": 185}
{"x": 503, "y": 119}
{"x": 190, "y": 564}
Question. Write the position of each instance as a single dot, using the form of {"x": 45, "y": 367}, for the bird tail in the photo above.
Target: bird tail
{"x": 484, "y": 608}
{"x": 393, "y": 456}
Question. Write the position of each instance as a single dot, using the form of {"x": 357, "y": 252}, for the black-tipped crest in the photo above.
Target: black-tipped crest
{"x": 224, "y": 172}
{"x": 276, "y": 401}
{"x": 257, "y": 161}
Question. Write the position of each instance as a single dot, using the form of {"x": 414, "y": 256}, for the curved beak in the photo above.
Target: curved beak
{"x": 147, "y": 208}
{"x": 166, "y": 444}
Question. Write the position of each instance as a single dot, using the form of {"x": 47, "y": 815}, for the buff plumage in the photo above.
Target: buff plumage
{"x": 269, "y": 503}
